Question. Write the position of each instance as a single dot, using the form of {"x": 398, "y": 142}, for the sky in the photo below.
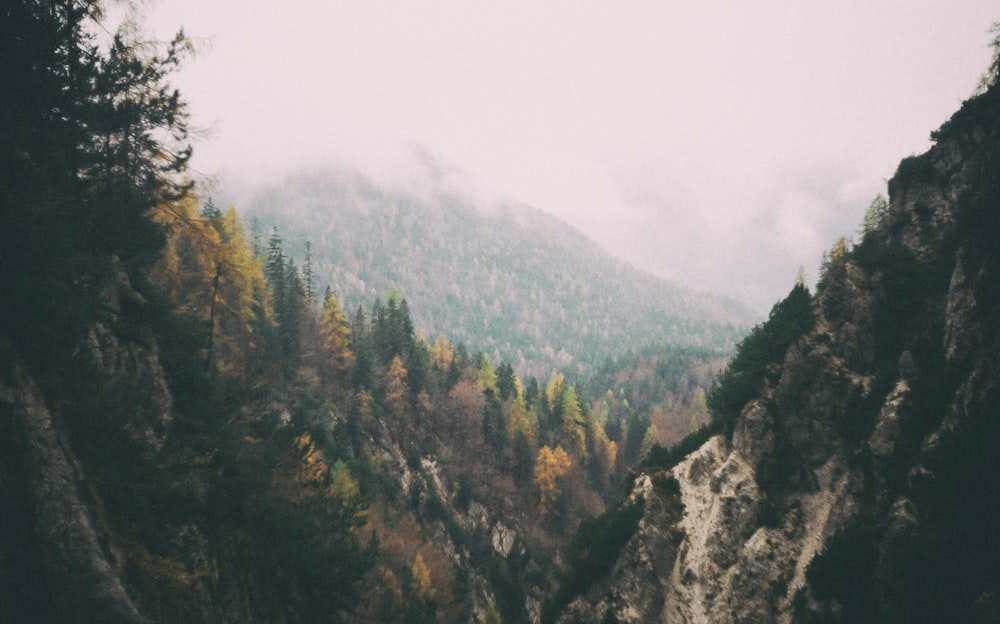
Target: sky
{"x": 721, "y": 145}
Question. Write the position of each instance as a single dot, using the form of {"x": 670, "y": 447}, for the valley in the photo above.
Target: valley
{"x": 346, "y": 401}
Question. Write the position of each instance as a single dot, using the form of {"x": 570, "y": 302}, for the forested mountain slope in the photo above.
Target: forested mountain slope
{"x": 511, "y": 281}
{"x": 190, "y": 433}
{"x": 849, "y": 474}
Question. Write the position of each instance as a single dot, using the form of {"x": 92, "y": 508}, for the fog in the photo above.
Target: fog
{"x": 720, "y": 145}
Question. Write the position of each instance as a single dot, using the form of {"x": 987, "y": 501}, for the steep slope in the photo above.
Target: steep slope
{"x": 849, "y": 475}
{"x": 511, "y": 282}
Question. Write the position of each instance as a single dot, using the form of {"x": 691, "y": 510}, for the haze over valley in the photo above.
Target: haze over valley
{"x": 509, "y": 281}
{"x": 514, "y": 314}
{"x": 720, "y": 146}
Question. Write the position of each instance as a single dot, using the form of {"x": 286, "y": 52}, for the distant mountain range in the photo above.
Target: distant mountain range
{"x": 511, "y": 281}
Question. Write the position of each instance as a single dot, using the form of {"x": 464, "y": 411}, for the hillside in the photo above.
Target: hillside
{"x": 188, "y": 434}
{"x": 511, "y": 282}
{"x": 849, "y": 473}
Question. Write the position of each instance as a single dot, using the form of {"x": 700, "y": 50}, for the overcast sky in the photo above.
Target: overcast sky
{"x": 719, "y": 144}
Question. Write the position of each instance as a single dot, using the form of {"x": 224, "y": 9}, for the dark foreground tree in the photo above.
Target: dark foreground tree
{"x": 92, "y": 138}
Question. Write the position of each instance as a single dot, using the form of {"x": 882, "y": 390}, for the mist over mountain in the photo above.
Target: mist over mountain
{"x": 510, "y": 281}
{"x": 188, "y": 435}
{"x": 849, "y": 473}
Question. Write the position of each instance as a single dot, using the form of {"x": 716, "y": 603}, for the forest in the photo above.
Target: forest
{"x": 245, "y": 449}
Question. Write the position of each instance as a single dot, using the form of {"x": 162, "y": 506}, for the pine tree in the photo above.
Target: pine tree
{"x": 307, "y": 275}
{"x": 274, "y": 268}
{"x": 210, "y": 212}
{"x": 506, "y": 381}
{"x": 364, "y": 352}
{"x": 494, "y": 431}
{"x": 93, "y": 140}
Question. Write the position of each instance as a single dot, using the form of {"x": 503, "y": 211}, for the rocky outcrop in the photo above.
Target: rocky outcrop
{"x": 838, "y": 492}
{"x": 63, "y": 540}
{"x": 732, "y": 569}
{"x": 636, "y": 589}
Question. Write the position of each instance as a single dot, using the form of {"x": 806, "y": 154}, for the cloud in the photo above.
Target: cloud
{"x": 719, "y": 144}
{"x": 747, "y": 239}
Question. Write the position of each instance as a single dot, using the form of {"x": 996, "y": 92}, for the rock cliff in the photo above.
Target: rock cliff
{"x": 850, "y": 484}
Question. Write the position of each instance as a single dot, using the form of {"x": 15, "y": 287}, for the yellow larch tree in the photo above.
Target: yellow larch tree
{"x": 335, "y": 337}
{"x": 442, "y": 353}
{"x": 550, "y": 468}
{"x": 396, "y": 388}
{"x": 573, "y": 431}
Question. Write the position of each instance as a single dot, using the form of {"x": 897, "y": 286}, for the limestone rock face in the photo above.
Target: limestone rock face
{"x": 636, "y": 589}
{"x": 866, "y": 427}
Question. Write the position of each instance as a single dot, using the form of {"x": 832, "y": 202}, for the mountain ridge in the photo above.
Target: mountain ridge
{"x": 497, "y": 279}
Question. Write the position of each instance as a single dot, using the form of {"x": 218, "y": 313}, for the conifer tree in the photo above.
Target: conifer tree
{"x": 307, "y": 275}
{"x": 396, "y": 388}
{"x": 506, "y": 381}
{"x": 573, "y": 431}
{"x": 494, "y": 430}
{"x": 210, "y": 211}
{"x": 93, "y": 139}
{"x": 335, "y": 333}
{"x": 551, "y": 467}
{"x": 486, "y": 378}
{"x": 364, "y": 352}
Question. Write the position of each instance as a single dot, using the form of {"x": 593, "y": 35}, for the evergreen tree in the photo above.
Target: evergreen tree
{"x": 290, "y": 310}
{"x": 210, "y": 212}
{"x": 765, "y": 346}
{"x": 274, "y": 267}
{"x": 494, "y": 431}
{"x": 307, "y": 275}
{"x": 93, "y": 138}
{"x": 364, "y": 352}
{"x": 506, "y": 381}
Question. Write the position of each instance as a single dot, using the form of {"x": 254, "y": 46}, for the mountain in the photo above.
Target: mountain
{"x": 849, "y": 474}
{"x": 511, "y": 281}
{"x": 186, "y": 437}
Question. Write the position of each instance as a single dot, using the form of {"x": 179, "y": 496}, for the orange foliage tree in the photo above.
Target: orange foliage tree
{"x": 550, "y": 468}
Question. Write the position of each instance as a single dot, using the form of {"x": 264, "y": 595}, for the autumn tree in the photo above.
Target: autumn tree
{"x": 487, "y": 377}
{"x": 551, "y": 467}
{"x": 209, "y": 272}
{"x": 396, "y": 388}
{"x": 491, "y": 616}
{"x": 238, "y": 294}
{"x": 421, "y": 606}
{"x": 875, "y": 215}
{"x": 552, "y": 405}
{"x": 572, "y": 426}
{"x": 335, "y": 336}
{"x": 442, "y": 354}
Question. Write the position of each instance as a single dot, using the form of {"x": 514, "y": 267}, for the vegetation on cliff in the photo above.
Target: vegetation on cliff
{"x": 242, "y": 447}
